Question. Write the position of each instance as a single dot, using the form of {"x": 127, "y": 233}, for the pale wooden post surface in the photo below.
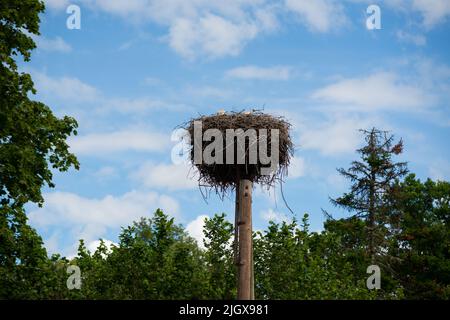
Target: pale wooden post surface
{"x": 245, "y": 241}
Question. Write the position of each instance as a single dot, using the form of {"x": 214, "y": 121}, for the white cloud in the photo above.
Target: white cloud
{"x": 137, "y": 105}
{"x": 416, "y": 39}
{"x": 106, "y": 172}
{"x": 434, "y": 77}
{"x": 260, "y": 73}
{"x": 374, "y": 92}
{"x": 109, "y": 211}
{"x": 57, "y": 44}
{"x": 119, "y": 141}
{"x": 133, "y": 9}
{"x": 213, "y": 35}
{"x": 337, "y": 181}
{"x": 93, "y": 245}
{"x": 267, "y": 18}
{"x": 152, "y": 81}
{"x": 439, "y": 169}
{"x": 52, "y": 242}
{"x": 223, "y": 28}
{"x": 90, "y": 218}
{"x": 201, "y": 27}
{"x": 209, "y": 91}
{"x": 338, "y": 135}
{"x": 65, "y": 88}
{"x": 170, "y": 176}
{"x": 126, "y": 45}
{"x": 75, "y": 91}
{"x": 277, "y": 217}
{"x": 318, "y": 15}
{"x": 56, "y": 4}
{"x": 297, "y": 168}
{"x": 195, "y": 229}
{"x": 433, "y": 11}
{"x": 268, "y": 195}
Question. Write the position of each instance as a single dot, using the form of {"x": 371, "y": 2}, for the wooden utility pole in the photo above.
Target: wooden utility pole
{"x": 244, "y": 240}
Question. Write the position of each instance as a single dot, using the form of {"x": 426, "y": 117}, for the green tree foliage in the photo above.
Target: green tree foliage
{"x": 32, "y": 143}
{"x": 155, "y": 259}
{"x": 292, "y": 263}
{"x": 352, "y": 243}
{"x": 23, "y": 260}
{"x": 220, "y": 258}
{"x": 422, "y": 242}
{"x": 409, "y": 231}
{"x": 32, "y": 139}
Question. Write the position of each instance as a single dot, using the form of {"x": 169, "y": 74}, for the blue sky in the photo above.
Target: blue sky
{"x": 138, "y": 68}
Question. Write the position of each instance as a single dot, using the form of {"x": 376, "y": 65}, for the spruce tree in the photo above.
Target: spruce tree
{"x": 371, "y": 180}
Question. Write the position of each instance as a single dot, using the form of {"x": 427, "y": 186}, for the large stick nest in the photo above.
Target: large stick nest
{"x": 224, "y": 176}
